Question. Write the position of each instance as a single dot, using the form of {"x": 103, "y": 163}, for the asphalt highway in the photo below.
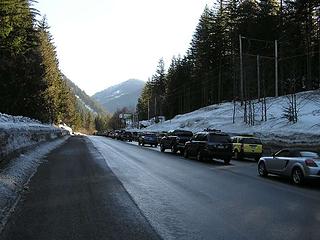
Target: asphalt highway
{"x": 99, "y": 188}
{"x": 186, "y": 199}
{"x": 74, "y": 195}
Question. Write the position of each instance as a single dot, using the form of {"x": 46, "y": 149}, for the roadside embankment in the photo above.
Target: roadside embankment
{"x": 18, "y": 134}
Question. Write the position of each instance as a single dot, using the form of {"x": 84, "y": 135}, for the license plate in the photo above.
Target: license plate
{"x": 221, "y": 147}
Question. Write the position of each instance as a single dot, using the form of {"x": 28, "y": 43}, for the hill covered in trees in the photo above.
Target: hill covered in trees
{"x": 241, "y": 51}
{"x": 84, "y": 101}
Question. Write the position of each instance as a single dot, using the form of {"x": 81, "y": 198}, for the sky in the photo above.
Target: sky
{"x": 104, "y": 42}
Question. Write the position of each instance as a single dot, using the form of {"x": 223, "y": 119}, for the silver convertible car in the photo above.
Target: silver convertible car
{"x": 296, "y": 164}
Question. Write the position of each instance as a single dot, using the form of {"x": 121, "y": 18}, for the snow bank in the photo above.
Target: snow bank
{"x": 16, "y": 175}
{"x": 18, "y": 133}
{"x": 276, "y": 128}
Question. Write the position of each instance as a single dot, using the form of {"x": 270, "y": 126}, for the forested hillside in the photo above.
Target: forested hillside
{"x": 240, "y": 50}
{"x": 31, "y": 83}
{"x": 85, "y": 101}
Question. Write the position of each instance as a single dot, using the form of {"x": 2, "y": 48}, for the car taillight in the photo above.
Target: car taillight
{"x": 310, "y": 163}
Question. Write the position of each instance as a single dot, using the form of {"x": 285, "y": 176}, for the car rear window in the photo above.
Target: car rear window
{"x": 219, "y": 138}
{"x": 309, "y": 154}
{"x": 251, "y": 141}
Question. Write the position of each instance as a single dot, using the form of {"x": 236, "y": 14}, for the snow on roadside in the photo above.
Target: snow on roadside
{"x": 17, "y": 133}
{"x": 219, "y": 116}
{"x": 8, "y": 121}
{"x": 17, "y": 173}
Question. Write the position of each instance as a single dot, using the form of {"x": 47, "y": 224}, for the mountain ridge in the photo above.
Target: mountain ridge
{"x": 124, "y": 94}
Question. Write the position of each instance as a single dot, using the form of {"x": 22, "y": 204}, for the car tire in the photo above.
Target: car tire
{"x": 181, "y": 152}
{"x": 162, "y": 149}
{"x": 227, "y": 161}
{"x": 238, "y": 155}
{"x": 262, "y": 169}
{"x": 185, "y": 153}
{"x": 199, "y": 156}
{"x": 173, "y": 149}
{"x": 297, "y": 176}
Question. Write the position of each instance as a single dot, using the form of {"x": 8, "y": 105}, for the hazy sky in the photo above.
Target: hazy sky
{"x": 103, "y": 42}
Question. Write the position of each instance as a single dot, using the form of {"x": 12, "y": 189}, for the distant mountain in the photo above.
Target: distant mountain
{"x": 125, "y": 94}
{"x": 85, "y": 102}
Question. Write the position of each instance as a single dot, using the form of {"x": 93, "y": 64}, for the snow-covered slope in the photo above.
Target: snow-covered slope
{"x": 219, "y": 116}
{"x": 17, "y": 133}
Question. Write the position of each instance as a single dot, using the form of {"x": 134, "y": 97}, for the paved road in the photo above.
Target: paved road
{"x": 186, "y": 199}
{"x": 74, "y": 195}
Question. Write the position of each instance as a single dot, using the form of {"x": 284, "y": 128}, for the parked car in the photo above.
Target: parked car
{"x": 209, "y": 144}
{"x": 294, "y": 163}
{"x": 175, "y": 140}
{"x": 160, "y": 135}
{"x": 148, "y": 138}
{"x": 247, "y": 146}
{"x": 135, "y": 136}
{"x": 126, "y": 136}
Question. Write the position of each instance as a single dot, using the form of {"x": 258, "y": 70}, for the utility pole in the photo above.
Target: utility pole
{"x": 155, "y": 107}
{"x": 241, "y": 69}
{"x": 219, "y": 87}
{"x": 148, "y": 109}
{"x": 258, "y": 75}
{"x": 276, "y": 67}
{"x": 319, "y": 51}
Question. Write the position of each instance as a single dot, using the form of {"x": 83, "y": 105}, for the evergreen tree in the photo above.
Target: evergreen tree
{"x": 21, "y": 86}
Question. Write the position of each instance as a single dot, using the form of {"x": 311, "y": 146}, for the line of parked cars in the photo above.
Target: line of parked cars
{"x": 297, "y": 164}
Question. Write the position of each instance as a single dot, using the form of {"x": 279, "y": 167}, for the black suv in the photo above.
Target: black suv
{"x": 175, "y": 140}
{"x": 209, "y": 144}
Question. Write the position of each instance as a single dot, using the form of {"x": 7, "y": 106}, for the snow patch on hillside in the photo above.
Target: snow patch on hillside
{"x": 219, "y": 116}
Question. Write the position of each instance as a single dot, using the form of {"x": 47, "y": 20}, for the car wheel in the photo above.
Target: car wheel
{"x": 173, "y": 149}
{"x": 162, "y": 149}
{"x": 297, "y": 176}
{"x": 262, "y": 169}
{"x": 185, "y": 153}
{"x": 238, "y": 155}
{"x": 181, "y": 152}
{"x": 199, "y": 156}
{"x": 226, "y": 161}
